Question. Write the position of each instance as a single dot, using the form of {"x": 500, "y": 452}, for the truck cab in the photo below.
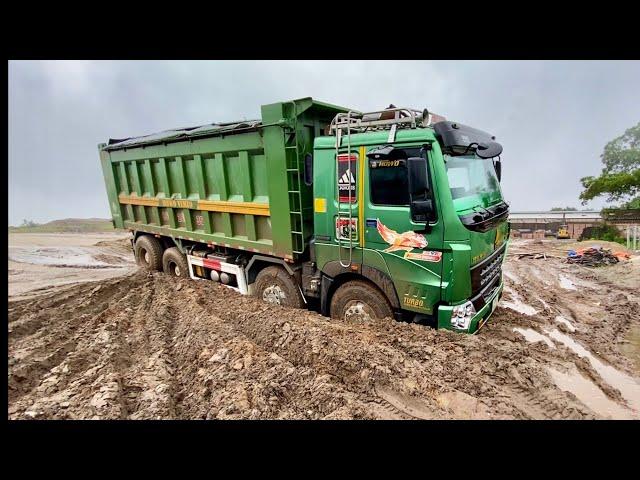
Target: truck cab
{"x": 409, "y": 217}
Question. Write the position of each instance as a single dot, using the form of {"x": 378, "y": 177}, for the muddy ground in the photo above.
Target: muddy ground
{"x": 564, "y": 343}
{"x": 40, "y": 262}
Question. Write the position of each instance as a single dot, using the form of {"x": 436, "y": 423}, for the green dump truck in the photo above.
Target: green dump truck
{"x": 396, "y": 213}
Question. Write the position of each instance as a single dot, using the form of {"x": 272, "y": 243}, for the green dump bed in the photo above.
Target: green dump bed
{"x": 240, "y": 184}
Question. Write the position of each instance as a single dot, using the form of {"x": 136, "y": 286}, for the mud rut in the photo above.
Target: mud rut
{"x": 149, "y": 346}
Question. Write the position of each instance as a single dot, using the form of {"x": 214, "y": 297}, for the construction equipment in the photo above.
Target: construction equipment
{"x": 563, "y": 232}
{"x": 395, "y": 213}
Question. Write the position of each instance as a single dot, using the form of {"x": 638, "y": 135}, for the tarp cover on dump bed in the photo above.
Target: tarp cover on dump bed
{"x": 211, "y": 129}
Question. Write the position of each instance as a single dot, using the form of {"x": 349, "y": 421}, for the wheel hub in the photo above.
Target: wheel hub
{"x": 356, "y": 310}
{"x": 273, "y": 294}
{"x": 146, "y": 257}
{"x": 174, "y": 269}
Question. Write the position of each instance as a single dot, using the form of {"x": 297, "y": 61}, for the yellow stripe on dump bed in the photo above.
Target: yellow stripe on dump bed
{"x": 135, "y": 200}
{"x": 235, "y": 207}
{"x": 247, "y": 208}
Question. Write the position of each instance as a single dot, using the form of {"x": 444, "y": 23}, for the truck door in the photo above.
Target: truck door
{"x": 412, "y": 252}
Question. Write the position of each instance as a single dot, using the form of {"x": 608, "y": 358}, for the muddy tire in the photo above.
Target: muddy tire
{"x": 275, "y": 285}
{"x": 148, "y": 251}
{"x": 175, "y": 263}
{"x": 359, "y": 300}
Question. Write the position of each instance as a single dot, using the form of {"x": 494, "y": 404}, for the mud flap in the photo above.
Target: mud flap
{"x": 325, "y": 286}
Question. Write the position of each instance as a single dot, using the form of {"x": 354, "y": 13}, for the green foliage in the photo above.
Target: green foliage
{"x": 620, "y": 177}
{"x": 559, "y": 209}
{"x": 605, "y": 232}
{"x": 616, "y": 186}
{"x": 623, "y": 153}
{"x": 28, "y": 223}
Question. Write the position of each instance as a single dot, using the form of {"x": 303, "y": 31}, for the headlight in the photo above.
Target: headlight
{"x": 462, "y": 315}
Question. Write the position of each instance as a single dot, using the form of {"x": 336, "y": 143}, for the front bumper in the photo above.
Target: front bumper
{"x": 478, "y": 320}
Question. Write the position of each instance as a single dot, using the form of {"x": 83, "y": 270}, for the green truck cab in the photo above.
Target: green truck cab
{"x": 396, "y": 213}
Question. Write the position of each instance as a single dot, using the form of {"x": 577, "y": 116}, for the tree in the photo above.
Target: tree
{"x": 560, "y": 209}
{"x": 620, "y": 177}
{"x": 635, "y": 203}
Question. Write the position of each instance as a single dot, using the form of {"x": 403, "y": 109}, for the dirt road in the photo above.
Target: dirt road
{"x": 563, "y": 344}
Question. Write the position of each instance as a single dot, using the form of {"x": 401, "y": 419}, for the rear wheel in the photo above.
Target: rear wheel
{"x": 359, "y": 300}
{"x": 175, "y": 263}
{"x": 148, "y": 252}
{"x": 274, "y": 285}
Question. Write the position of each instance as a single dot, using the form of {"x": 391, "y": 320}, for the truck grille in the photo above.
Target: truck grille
{"x": 483, "y": 274}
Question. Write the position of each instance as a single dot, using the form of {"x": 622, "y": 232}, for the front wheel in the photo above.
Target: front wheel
{"x": 359, "y": 300}
{"x": 175, "y": 263}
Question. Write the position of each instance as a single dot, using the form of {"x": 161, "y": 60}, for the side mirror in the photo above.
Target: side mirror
{"x": 421, "y": 206}
{"x": 488, "y": 149}
{"x": 421, "y": 210}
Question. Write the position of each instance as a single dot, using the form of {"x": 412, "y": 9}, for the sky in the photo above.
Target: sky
{"x": 553, "y": 118}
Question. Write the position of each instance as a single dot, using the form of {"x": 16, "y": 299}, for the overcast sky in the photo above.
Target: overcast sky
{"x": 553, "y": 118}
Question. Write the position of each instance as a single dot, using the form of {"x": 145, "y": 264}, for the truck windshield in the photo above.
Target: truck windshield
{"x": 473, "y": 181}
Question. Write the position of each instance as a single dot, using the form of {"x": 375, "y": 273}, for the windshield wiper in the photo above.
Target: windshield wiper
{"x": 501, "y": 207}
{"x": 485, "y": 213}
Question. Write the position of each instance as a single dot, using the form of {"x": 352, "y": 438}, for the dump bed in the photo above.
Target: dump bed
{"x": 235, "y": 184}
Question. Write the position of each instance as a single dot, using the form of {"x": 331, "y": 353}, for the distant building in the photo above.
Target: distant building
{"x": 550, "y": 222}
{"x": 528, "y": 223}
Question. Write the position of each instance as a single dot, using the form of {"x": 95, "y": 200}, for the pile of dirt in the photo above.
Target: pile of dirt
{"x": 562, "y": 247}
{"x": 595, "y": 257}
{"x": 613, "y": 246}
{"x": 150, "y": 346}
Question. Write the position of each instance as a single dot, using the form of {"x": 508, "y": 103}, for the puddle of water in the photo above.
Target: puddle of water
{"x": 67, "y": 256}
{"x": 561, "y": 319}
{"x": 588, "y": 393}
{"x": 532, "y": 336}
{"x": 519, "y": 306}
{"x": 540, "y": 276}
{"x": 631, "y": 348}
{"x": 512, "y": 276}
{"x": 586, "y": 284}
{"x": 566, "y": 283}
{"x": 544, "y": 304}
{"x": 627, "y": 385}
{"x": 516, "y": 303}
